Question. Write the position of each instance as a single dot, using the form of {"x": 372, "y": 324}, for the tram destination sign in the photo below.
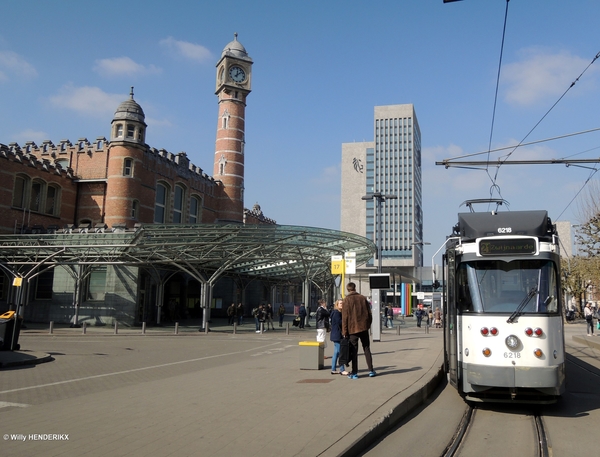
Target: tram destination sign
{"x": 507, "y": 246}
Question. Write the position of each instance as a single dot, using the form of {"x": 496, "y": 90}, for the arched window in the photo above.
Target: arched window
{"x": 37, "y": 195}
{"x": 119, "y": 131}
{"x": 52, "y": 204}
{"x": 128, "y": 167}
{"x": 130, "y": 130}
{"x": 195, "y": 210}
{"x": 178, "y": 200}
{"x": 99, "y": 144}
{"x": 160, "y": 205}
{"x": 20, "y": 191}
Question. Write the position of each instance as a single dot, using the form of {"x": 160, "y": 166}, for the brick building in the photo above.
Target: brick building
{"x": 116, "y": 183}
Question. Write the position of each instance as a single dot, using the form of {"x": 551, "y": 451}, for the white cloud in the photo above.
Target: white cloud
{"x": 30, "y": 135}
{"x": 541, "y": 73}
{"x": 12, "y": 63}
{"x": 122, "y": 66}
{"x": 187, "y": 50}
{"x": 89, "y": 101}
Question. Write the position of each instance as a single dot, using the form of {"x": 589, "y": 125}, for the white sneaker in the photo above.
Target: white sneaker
{"x": 258, "y": 331}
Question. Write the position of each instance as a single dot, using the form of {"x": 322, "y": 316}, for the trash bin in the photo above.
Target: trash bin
{"x": 10, "y": 325}
{"x": 312, "y": 355}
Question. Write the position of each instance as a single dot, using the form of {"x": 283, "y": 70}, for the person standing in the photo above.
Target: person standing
{"x": 336, "y": 336}
{"x": 419, "y": 315}
{"x": 230, "y": 314}
{"x": 322, "y": 322}
{"x": 281, "y": 313}
{"x": 261, "y": 317}
{"x": 302, "y": 315}
{"x": 389, "y": 316}
{"x": 269, "y": 312}
{"x": 589, "y": 319}
{"x": 356, "y": 321}
{"x": 240, "y": 314}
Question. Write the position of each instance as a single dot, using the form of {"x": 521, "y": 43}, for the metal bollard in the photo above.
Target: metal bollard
{"x": 234, "y": 328}
{"x": 176, "y": 328}
{"x": 84, "y": 328}
{"x": 51, "y": 329}
{"x": 143, "y": 328}
{"x": 287, "y": 328}
{"x": 398, "y": 330}
{"x": 426, "y": 328}
{"x": 116, "y": 327}
{"x": 206, "y": 328}
{"x": 262, "y": 328}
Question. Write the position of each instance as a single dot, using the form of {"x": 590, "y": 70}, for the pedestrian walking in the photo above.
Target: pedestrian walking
{"x": 230, "y": 314}
{"x": 240, "y": 314}
{"x": 589, "y": 318}
{"x": 389, "y": 316}
{"x": 281, "y": 313}
{"x": 302, "y": 315}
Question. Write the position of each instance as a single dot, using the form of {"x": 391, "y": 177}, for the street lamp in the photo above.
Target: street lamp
{"x": 378, "y": 229}
{"x": 420, "y": 243}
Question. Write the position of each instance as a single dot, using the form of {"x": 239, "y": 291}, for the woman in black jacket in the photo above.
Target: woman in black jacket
{"x": 336, "y": 337}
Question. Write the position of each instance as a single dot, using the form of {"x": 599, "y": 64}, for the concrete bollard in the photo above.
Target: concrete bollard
{"x": 116, "y": 327}
{"x": 51, "y": 329}
{"x": 143, "y": 328}
{"x": 84, "y": 328}
{"x": 176, "y": 328}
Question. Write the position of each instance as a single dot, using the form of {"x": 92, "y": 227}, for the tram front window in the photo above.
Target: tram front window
{"x": 493, "y": 286}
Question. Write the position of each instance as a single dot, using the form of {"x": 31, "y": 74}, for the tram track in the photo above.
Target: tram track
{"x": 468, "y": 440}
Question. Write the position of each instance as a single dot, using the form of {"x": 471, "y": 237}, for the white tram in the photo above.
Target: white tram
{"x": 503, "y": 325}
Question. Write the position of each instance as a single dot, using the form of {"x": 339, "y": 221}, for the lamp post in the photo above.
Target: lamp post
{"x": 376, "y": 293}
{"x": 420, "y": 243}
{"x": 380, "y": 197}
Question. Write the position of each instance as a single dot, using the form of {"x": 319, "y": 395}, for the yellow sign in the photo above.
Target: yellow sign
{"x": 337, "y": 265}
{"x": 17, "y": 282}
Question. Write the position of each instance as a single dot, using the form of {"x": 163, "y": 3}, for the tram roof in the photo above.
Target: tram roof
{"x": 279, "y": 252}
{"x": 530, "y": 223}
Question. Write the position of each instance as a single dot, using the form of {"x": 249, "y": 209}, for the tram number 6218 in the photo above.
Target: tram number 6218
{"x": 512, "y": 355}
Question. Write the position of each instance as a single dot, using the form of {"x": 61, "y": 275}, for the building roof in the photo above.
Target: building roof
{"x": 207, "y": 251}
{"x": 236, "y": 49}
{"x": 130, "y": 110}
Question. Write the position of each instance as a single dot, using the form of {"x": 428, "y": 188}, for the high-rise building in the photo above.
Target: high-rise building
{"x": 389, "y": 166}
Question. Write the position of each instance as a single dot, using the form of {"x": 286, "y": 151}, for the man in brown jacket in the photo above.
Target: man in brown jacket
{"x": 356, "y": 322}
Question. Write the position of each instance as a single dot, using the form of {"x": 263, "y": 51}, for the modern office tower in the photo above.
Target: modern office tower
{"x": 388, "y": 166}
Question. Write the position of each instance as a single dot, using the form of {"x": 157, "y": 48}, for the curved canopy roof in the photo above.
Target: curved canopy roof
{"x": 277, "y": 252}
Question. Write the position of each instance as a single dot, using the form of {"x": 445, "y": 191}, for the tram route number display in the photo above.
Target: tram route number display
{"x": 507, "y": 246}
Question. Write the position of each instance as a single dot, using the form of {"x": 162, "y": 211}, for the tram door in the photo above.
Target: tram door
{"x": 450, "y": 320}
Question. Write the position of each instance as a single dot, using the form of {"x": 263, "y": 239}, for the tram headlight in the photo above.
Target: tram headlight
{"x": 512, "y": 342}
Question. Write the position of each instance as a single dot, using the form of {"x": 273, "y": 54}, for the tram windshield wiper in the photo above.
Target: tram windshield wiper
{"x": 522, "y": 305}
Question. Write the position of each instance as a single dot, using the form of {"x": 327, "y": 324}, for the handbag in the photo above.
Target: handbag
{"x": 344, "y": 357}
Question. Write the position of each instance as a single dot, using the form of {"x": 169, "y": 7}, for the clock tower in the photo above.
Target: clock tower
{"x": 234, "y": 76}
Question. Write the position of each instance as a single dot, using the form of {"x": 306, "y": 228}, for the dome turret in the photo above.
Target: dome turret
{"x": 128, "y": 123}
{"x": 236, "y": 50}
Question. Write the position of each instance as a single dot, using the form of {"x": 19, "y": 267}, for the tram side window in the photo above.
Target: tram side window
{"x": 467, "y": 298}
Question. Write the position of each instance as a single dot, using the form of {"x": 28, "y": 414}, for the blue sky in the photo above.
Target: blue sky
{"x": 319, "y": 70}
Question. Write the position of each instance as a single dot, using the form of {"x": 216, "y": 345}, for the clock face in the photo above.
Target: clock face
{"x": 237, "y": 74}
